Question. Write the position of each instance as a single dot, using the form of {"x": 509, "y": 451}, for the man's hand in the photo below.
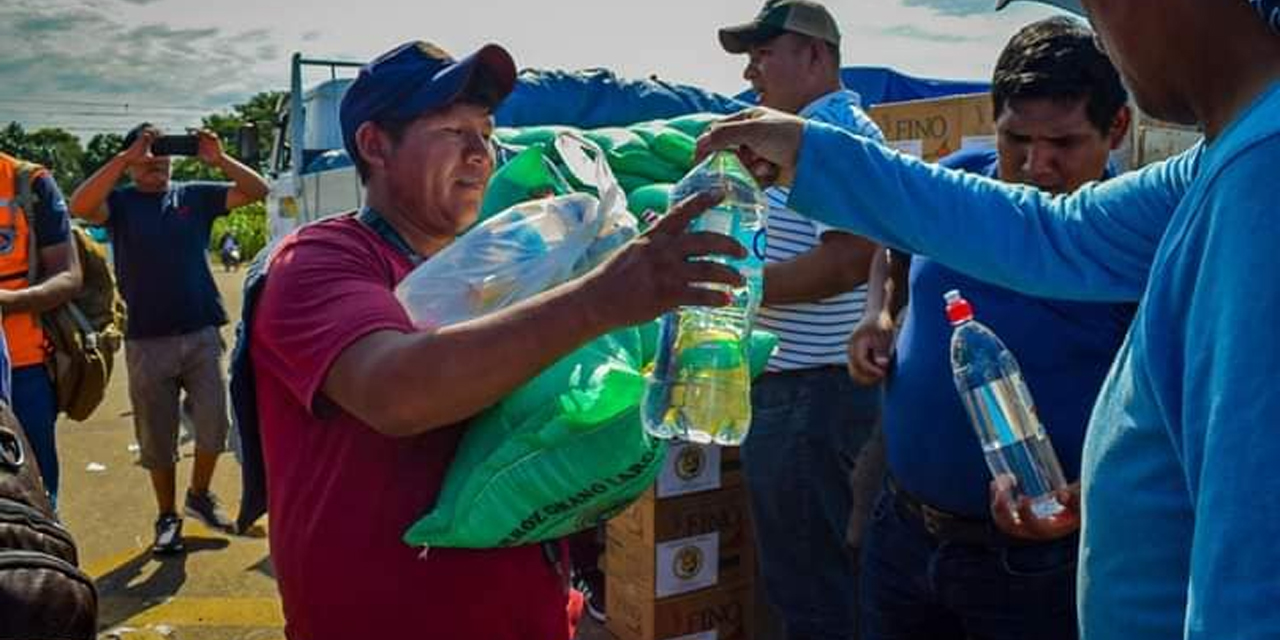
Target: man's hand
{"x": 210, "y": 150}
{"x": 871, "y": 347}
{"x": 660, "y": 270}
{"x": 767, "y": 142}
{"x": 141, "y": 145}
{"x": 1017, "y": 520}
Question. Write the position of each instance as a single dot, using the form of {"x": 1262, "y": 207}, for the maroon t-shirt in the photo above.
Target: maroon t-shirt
{"x": 341, "y": 494}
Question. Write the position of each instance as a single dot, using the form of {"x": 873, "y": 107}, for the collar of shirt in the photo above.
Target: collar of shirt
{"x": 839, "y": 96}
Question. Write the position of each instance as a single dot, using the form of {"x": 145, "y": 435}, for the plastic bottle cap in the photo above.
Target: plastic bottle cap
{"x": 958, "y": 309}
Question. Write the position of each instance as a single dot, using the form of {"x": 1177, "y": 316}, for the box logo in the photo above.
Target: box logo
{"x": 687, "y": 562}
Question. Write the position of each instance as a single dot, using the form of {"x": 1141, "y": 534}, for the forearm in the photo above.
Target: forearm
{"x": 1096, "y": 244}
{"x": 877, "y": 277}
{"x": 422, "y": 381}
{"x": 88, "y": 199}
{"x": 831, "y": 268}
{"x": 43, "y": 296}
{"x": 248, "y": 182}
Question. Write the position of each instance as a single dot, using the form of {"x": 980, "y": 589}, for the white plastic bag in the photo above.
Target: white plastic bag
{"x": 524, "y": 250}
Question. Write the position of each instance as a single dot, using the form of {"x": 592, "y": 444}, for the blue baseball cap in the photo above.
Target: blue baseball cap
{"x": 417, "y": 77}
{"x": 1070, "y": 5}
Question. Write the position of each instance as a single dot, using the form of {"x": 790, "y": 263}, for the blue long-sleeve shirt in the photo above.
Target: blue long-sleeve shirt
{"x": 1180, "y": 537}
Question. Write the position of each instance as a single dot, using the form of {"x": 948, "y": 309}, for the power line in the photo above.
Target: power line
{"x": 96, "y": 103}
{"x": 94, "y": 114}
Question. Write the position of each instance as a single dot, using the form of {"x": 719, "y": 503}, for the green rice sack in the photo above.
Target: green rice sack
{"x": 560, "y": 454}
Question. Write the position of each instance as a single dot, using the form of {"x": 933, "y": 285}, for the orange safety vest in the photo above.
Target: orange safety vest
{"x": 21, "y": 330}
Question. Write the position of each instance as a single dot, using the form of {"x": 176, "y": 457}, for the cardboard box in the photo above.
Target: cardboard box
{"x": 933, "y": 128}
{"x": 713, "y": 614}
{"x": 691, "y": 468}
{"x": 675, "y": 546}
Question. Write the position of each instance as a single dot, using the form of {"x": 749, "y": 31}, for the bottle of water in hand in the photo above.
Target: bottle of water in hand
{"x": 1000, "y": 405}
{"x": 700, "y": 386}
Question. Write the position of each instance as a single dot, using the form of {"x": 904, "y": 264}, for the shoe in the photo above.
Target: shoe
{"x": 592, "y": 585}
{"x": 168, "y": 535}
{"x": 205, "y": 508}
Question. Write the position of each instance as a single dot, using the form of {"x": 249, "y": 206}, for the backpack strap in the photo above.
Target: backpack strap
{"x": 27, "y": 201}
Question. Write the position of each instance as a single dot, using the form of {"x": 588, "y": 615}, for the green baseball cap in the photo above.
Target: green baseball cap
{"x": 804, "y": 17}
{"x": 1070, "y": 5}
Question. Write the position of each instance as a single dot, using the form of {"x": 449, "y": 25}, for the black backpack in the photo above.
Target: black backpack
{"x": 43, "y": 594}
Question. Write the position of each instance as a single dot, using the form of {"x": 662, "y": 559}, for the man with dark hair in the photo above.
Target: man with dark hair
{"x": 809, "y": 421}
{"x": 933, "y": 565}
{"x": 361, "y": 413}
{"x": 1177, "y": 540}
{"x": 160, "y": 238}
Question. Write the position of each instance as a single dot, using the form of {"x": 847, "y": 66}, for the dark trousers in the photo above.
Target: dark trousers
{"x": 36, "y": 406}
{"x": 916, "y": 586}
{"x": 807, "y": 429}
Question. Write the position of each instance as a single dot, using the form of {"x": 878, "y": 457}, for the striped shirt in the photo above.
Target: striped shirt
{"x": 812, "y": 334}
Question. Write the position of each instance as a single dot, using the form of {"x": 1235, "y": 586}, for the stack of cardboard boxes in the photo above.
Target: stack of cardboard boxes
{"x": 680, "y": 562}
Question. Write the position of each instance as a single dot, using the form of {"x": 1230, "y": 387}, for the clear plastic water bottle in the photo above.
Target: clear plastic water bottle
{"x": 700, "y": 386}
{"x": 1000, "y": 405}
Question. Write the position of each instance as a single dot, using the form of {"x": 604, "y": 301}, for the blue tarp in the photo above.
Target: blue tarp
{"x": 599, "y": 98}
{"x": 877, "y": 85}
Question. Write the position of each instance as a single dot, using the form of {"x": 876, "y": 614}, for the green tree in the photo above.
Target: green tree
{"x": 249, "y": 226}
{"x": 258, "y": 111}
{"x": 101, "y": 148}
{"x": 55, "y": 148}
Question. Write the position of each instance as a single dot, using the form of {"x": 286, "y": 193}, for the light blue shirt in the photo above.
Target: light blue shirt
{"x": 1181, "y": 537}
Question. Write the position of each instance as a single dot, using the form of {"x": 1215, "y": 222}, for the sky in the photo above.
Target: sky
{"x": 104, "y": 65}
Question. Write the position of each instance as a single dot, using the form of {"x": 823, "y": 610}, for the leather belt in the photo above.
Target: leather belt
{"x": 949, "y": 527}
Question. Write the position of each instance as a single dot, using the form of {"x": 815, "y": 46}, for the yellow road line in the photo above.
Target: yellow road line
{"x": 203, "y": 612}
{"x": 102, "y": 566}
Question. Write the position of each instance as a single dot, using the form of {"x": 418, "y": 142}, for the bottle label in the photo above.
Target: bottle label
{"x": 758, "y": 244}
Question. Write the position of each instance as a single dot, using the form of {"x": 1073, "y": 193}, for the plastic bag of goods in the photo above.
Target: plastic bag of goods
{"x": 524, "y": 250}
{"x": 565, "y": 450}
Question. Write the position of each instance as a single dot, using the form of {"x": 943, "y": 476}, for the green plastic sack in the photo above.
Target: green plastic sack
{"x": 651, "y": 197}
{"x": 693, "y": 124}
{"x": 669, "y": 144}
{"x": 630, "y": 182}
{"x": 524, "y": 177}
{"x": 628, "y": 153}
{"x": 543, "y": 136}
{"x": 560, "y": 454}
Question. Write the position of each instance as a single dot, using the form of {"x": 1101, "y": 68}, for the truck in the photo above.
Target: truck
{"x": 311, "y": 175}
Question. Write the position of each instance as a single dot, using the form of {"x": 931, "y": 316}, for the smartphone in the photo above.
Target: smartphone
{"x": 188, "y": 145}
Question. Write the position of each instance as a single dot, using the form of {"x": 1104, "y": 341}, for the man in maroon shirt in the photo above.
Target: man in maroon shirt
{"x": 361, "y": 413}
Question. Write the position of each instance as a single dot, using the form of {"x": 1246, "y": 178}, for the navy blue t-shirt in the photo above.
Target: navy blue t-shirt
{"x": 160, "y": 242}
{"x": 1064, "y": 348}
{"x": 53, "y": 219}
